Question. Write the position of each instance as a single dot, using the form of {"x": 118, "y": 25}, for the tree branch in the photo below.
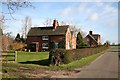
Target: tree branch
{"x": 13, "y": 5}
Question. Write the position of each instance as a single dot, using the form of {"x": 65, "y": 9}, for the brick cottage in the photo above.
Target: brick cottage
{"x": 92, "y": 40}
{"x": 39, "y": 38}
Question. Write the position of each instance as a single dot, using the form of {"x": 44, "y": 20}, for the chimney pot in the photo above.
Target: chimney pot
{"x": 90, "y": 32}
{"x": 55, "y": 24}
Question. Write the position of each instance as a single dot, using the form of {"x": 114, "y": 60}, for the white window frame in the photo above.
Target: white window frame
{"x": 44, "y": 46}
{"x": 45, "y": 37}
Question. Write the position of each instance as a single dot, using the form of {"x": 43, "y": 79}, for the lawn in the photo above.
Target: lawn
{"x": 31, "y": 56}
{"x": 34, "y": 58}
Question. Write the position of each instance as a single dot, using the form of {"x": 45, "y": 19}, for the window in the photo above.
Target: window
{"x": 56, "y": 45}
{"x": 88, "y": 39}
{"x": 45, "y": 45}
{"x": 44, "y": 37}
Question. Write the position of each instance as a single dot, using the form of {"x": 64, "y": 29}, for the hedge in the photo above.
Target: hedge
{"x": 62, "y": 56}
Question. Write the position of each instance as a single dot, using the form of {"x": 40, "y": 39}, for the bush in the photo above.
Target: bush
{"x": 56, "y": 56}
{"x": 18, "y": 46}
{"x": 52, "y": 45}
{"x": 61, "y": 44}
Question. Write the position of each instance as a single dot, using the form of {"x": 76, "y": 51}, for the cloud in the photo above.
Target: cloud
{"x": 93, "y": 17}
{"x": 109, "y": 16}
{"x": 112, "y": 23}
{"x": 109, "y": 9}
{"x": 70, "y": 10}
{"x": 67, "y": 11}
{"x": 82, "y": 7}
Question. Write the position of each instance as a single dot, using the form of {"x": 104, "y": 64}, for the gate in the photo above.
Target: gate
{"x": 7, "y": 56}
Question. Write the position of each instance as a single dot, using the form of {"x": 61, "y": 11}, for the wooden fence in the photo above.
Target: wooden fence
{"x": 7, "y": 56}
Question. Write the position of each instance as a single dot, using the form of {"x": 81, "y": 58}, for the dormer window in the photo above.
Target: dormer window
{"x": 44, "y": 37}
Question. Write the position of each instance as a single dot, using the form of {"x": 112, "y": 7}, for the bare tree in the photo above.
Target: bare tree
{"x": 47, "y": 22}
{"x": 26, "y": 26}
{"x": 12, "y": 6}
{"x": 74, "y": 28}
{"x": 63, "y": 23}
{"x": 1, "y": 21}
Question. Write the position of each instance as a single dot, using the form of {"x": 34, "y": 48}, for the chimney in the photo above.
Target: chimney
{"x": 55, "y": 24}
{"x": 90, "y": 32}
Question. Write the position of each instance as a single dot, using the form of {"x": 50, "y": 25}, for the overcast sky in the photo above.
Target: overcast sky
{"x": 100, "y": 17}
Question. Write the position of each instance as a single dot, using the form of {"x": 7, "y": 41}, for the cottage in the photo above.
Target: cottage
{"x": 92, "y": 40}
{"x": 39, "y": 38}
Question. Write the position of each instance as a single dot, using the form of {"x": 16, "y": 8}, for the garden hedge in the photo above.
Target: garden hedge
{"x": 62, "y": 56}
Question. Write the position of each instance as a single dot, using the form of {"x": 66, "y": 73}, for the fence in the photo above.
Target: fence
{"x": 7, "y": 56}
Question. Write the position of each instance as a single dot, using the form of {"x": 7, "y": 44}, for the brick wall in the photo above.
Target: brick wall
{"x": 34, "y": 39}
{"x": 70, "y": 40}
{"x": 56, "y": 38}
{"x": 68, "y": 37}
{"x": 99, "y": 41}
{"x": 73, "y": 42}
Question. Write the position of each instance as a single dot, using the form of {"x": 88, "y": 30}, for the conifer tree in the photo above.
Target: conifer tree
{"x": 79, "y": 40}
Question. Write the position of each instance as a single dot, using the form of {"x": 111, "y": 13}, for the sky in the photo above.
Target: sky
{"x": 100, "y": 17}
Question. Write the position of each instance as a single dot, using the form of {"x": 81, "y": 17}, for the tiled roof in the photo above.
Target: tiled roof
{"x": 95, "y": 36}
{"x": 92, "y": 38}
{"x": 40, "y": 31}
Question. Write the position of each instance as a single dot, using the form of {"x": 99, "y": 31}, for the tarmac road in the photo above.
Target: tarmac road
{"x": 105, "y": 66}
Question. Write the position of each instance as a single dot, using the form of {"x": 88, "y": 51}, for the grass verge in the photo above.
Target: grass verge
{"x": 115, "y": 47}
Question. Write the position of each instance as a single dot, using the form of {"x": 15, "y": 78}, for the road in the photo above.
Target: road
{"x": 105, "y": 66}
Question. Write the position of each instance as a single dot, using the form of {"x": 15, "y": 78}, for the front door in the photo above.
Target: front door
{"x": 33, "y": 47}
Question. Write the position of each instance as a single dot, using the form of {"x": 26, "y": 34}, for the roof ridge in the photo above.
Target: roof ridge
{"x": 95, "y": 34}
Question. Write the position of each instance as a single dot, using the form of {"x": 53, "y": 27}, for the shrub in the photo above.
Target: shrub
{"x": 52, "y": 45}
{"x": 18, "y": 46}
{"x": 56, "y": 56}
{"x": 61, "y": 44}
